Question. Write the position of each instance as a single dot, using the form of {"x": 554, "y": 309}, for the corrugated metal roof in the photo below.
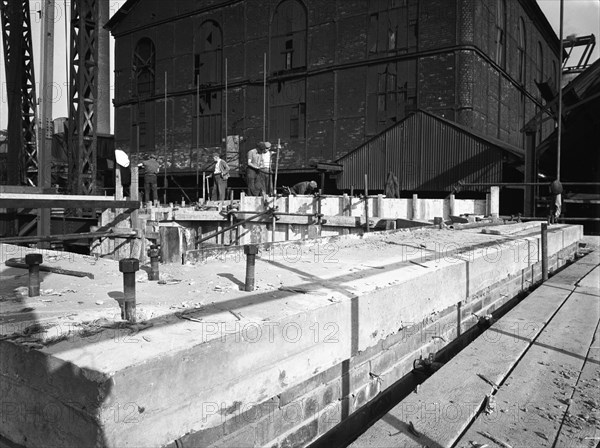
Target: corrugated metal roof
{"x": 427, "y": 153}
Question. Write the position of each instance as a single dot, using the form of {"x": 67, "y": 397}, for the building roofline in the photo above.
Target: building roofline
{"x": 498, "y": 144}
{"x": 546, "y": 29}
{"x": 120, "y": 14}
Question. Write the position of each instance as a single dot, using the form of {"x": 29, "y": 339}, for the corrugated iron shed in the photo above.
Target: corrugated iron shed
{"x": 427, "y": 153}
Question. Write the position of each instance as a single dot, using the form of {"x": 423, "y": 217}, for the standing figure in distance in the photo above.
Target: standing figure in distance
{"x": 220, "y": 176}
{"x": 258, "y": 174}
{"x": 151, "y": 168}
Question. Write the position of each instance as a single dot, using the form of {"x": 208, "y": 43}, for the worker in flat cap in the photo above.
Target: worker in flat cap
{"x": 220, "y": 176}
{"x": 258, "y": 174}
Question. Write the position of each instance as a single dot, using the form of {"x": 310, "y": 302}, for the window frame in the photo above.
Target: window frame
{"x": 144, "y": 66}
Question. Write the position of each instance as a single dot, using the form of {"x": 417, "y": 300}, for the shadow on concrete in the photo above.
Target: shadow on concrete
{"x": 404, "y": 428}
{"x": 549, "y": 347}
{"x": 43, "y": 397}
{"x": 241, "y": 285}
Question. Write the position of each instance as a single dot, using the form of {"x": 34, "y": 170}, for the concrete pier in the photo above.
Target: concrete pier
{"x": 329, "y": 325}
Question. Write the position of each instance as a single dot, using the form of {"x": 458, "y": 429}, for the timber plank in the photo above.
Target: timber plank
{"x": 581, "y": 427}
{"x": 532, "y": 403}
{"x": 510, "y": 229}
{"x": 449, "y": 400}
{"x": 14, "y": 200}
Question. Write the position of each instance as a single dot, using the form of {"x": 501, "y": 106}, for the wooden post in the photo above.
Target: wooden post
{"x": 452, "y": 205}
{"x": 346, "y": 210}
{"x": 203, "y": 186}
{"x": 118, "y": 184}
{"x": 415, "y": 206}
{"x": 495, "y": 202}
{"x": 366, "y": 203}
{"x": 288, "y": 226}
{"x": 232, "y": 231}
{"x": 544, "y": 239}
{"x": 242, "y": 208}
{"x": 137, "y": 244}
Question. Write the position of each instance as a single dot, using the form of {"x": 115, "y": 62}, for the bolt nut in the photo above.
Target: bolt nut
{"x": 128, "y": 265}
{"x": 31, "y": 259}
{"x": 251, "y": 249}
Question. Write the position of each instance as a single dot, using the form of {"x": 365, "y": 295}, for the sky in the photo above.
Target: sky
{"x": 581, "y": 17}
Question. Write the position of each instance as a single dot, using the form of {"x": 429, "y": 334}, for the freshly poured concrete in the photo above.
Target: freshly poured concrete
{"x": 205, "y": 350}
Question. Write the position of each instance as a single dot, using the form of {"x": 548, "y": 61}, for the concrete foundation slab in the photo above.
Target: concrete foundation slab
{"x": 209, "y": 362}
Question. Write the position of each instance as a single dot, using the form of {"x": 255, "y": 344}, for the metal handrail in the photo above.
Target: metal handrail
{"x": 523, "y": 184}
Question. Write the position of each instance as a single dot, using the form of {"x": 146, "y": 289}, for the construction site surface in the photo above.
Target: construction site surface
{"x": 330, "y": 325}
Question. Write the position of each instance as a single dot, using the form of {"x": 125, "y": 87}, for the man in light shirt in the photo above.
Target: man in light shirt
{"x": 221, "y": 174}
{"x": 258, "y": 174}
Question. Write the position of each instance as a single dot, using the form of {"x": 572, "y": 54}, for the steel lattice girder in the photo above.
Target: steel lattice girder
{"x": 18, "y": 57}
{"x": 83, "y": 96}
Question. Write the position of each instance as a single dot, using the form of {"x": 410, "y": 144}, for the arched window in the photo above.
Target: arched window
{"x": 144, "y": 59}
{"x": 208, "y": 60}
{"x": 540, "y": 63}
{"x": 522, "y": 51}
{"x": 500, "y": 32}
{"x": 288, "y": 36}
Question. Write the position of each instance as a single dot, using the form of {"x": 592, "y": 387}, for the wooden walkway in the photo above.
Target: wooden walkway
{"x": 531, "y": 380}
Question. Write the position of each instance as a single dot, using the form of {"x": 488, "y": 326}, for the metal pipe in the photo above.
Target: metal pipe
{"x": 265, "y": 97}
{"x": 33, "y": 262}
{"x": 66, "y": 237}
{"x": 153, "y": 253}
{"x": 524, "y": 184}
{"x": 235, "y": 212}
{"x": 198, "y": 141}
{"x": 560, "y": 94}
{"x": 237, "y": 224}
{"x": 165, "y": 161}
{"x": 250, "y": 250}
{"x": 579, "y": 219}
{"x": 276, "y": 166}
{"x": 366, "y": 203}
{"x": 128, "y": 266}
{"x": 544, "y": 251}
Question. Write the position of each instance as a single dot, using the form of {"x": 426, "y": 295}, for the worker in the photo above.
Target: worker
{"x": 556, "y": 190}
{"x": 307, "y": 187}
{"x": 392, "y": 186}
{"x": 151, "y": 168}
{"x": 220, "y": 176}
{"x": 258, "y": 174}
{"x": 124, "y": 166}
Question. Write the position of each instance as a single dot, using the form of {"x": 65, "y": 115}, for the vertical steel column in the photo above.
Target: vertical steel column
{"x": 20, "y": 80}
{"x": 46, "y": 126}
{"x": 83, "y": 117}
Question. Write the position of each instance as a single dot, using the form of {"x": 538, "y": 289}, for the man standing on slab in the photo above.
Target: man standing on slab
{"x": 220, "y": 176}
{"x": 258, "y": 174}
{"x": 151, "y": 168}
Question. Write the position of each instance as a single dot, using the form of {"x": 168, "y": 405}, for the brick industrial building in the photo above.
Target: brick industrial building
{"x": 338, "y": 72}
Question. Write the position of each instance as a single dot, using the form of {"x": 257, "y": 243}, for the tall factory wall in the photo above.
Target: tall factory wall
{"x": 338, "y": 72}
